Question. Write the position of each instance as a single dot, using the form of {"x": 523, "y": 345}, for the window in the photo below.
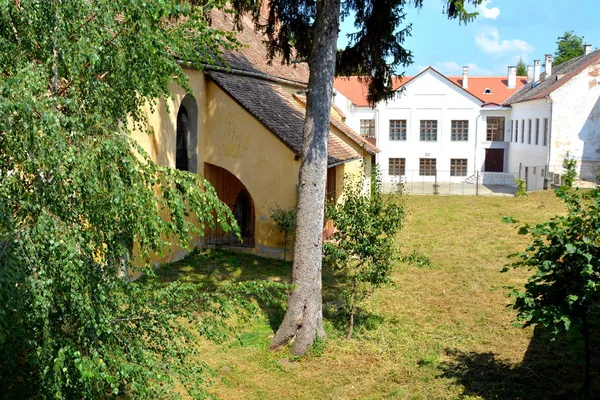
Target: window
{"x": 537, "y": 131}
{"x": 522, "y": 131}
{"x": 427, "y": 166}
{"x": 367, "y": 128}
{"x": 495, "y": 129}
{"x": 458, "y": 167}
{"x": 398, "y": 129}
{"x": 529, "y": 132}
{"x": 516, "y": 131}
{"x": 397, "y": 166}
{"x": 428, "y": 130}
{"x": 460, "y": 130}
{"x": 545, "y": 131}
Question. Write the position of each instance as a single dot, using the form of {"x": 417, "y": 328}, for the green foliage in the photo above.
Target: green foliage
{"x": 374, "y": 51}
{"x": 417, "y": 259}
{"x": 569, "y": 165}
{"x": 77, "y": 193}
{"x": 565, "y": 258}
{"x": 568, "y": 46}
{"x": 285, "y": 220}
{"x": 363, "y": 248}
{"x": 521, "y": 188}
{"x": 521, "y": 68}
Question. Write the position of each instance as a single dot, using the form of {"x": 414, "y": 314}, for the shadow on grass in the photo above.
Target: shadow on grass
{"x": 548, "y": 371}
{"x": 217, "y": 267}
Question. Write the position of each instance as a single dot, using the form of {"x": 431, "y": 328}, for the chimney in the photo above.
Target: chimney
{"x": 548, "y": 66}
{"x": 537, "y": 67}
{"x": 512, "y": 77}
{"x": 465, "y": 80}
{"x": 529, "y": 73}
{"x": 587, "y": 49}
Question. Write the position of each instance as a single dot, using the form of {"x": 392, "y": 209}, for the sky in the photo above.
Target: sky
{"x": 504, "y": 31}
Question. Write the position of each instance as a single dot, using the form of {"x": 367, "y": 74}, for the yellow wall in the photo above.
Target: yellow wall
{"x": 239, "y": 143}
{"x": 231, "y": 138}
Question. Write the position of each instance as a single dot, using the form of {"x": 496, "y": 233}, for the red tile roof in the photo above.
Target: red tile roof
{"x": 356, "y": 91}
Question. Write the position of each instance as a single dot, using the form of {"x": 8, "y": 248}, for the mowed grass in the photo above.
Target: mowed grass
{"x": 442, "y": 332}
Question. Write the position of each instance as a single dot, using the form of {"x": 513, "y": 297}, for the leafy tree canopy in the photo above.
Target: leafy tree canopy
{"x": 375, "y": 50}
{"x": 568, "y": 46}
{"x": 76, "y": 194}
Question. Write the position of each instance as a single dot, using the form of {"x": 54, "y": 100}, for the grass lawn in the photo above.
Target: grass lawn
{"x": 442, "y": 332}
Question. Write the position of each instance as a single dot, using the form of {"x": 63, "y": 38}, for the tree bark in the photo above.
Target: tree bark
{"x": 303, "y": 320}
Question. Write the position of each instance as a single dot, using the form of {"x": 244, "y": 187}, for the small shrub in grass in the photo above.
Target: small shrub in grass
{"x": 414, "y": 258}
{"x": 521, "y": 188}
{"x": 285, "y": 221}
{"x": 363, "y": 249}
{"x": 569, "y": 164}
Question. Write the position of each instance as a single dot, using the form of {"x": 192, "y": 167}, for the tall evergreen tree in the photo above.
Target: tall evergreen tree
{"x": 308, "y": 30}
{"x": 521, "y": 68}
{"x": 568, "y": 46}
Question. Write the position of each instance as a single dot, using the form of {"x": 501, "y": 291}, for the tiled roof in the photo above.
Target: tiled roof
{"x": 356, "y": 91}
{"x": 279, "y": 112}
{"x": 338, "y": 123}
{"x": 252, "y": 57}
{"x": 560, "y": 75}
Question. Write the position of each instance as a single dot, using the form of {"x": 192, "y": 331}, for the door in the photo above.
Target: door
{"x": 494, "y": 160}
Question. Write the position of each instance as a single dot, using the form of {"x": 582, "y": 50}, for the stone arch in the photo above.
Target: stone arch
{"x": 234, "y": 193}
{"x": 186, "y": 153}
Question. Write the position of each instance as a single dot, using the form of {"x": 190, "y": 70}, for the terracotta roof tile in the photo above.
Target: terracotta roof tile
{"x": 252, "y": 57}
{"x": 279, "y": 112}
{"x": 560, "y": 75}
{"x": 356, "y": 91}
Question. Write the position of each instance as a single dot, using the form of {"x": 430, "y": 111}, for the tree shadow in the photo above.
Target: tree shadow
{"x": 214, "y": 268}
{"x": 548, "y": 371}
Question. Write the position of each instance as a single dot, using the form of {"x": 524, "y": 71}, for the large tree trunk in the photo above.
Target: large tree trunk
{"x": 303, "y": 319}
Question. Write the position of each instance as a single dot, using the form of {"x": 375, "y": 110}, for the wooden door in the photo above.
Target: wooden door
{"x": 494, "y": 160}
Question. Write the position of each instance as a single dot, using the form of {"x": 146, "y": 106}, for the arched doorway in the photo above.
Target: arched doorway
{"x": 186, "y": 141}
{"x": 232, "y": 192}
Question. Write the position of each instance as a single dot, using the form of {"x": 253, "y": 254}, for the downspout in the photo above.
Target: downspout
{"x": 549, "y": 101}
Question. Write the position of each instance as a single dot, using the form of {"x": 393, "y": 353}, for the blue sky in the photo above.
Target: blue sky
{"x": 504, "y": 31}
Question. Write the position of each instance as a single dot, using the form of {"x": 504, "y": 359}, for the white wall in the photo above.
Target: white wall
{"x": 428, "y": 97}
{"x": 576, "y": 121}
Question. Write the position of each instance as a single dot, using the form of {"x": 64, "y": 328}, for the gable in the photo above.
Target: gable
{"x": 432, "y": 90}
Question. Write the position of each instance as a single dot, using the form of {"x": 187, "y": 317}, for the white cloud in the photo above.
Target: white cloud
{"x": 488, "y": 13}
{"x": 489, "y": 41}
{"x": 451, "y": 68}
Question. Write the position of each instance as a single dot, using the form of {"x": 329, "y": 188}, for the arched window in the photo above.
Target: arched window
{"x": 182, "y": 158}
{"x": 186, "y": 153}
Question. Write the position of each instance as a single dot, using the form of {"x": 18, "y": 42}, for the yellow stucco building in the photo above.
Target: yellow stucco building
{"x": 241, "y": 129}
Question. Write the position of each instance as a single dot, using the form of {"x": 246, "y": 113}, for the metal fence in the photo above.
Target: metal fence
{"x": 479, "y": 183}
{"x": 444, "y": 182}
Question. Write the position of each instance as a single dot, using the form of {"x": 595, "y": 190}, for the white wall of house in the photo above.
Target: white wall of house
{"x": 576, "y": 122}
{"x": 428, "y": 97}
{"x": 523, "y": 149}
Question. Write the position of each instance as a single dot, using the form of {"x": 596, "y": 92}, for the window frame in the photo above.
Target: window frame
{"x": 432, "y": 128}
{"x": 459, "y": 166}
{"x": 427, "y": 166}
{"x": 498, "y": 131}
{"x": 367, "y": 130}
{"x": 455, "y": 136}
{"x": 398, "y": 163}
{"x": 399, "y": 131}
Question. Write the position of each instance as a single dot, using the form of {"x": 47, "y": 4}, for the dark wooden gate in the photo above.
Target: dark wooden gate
{"x": 494, "y": 160}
